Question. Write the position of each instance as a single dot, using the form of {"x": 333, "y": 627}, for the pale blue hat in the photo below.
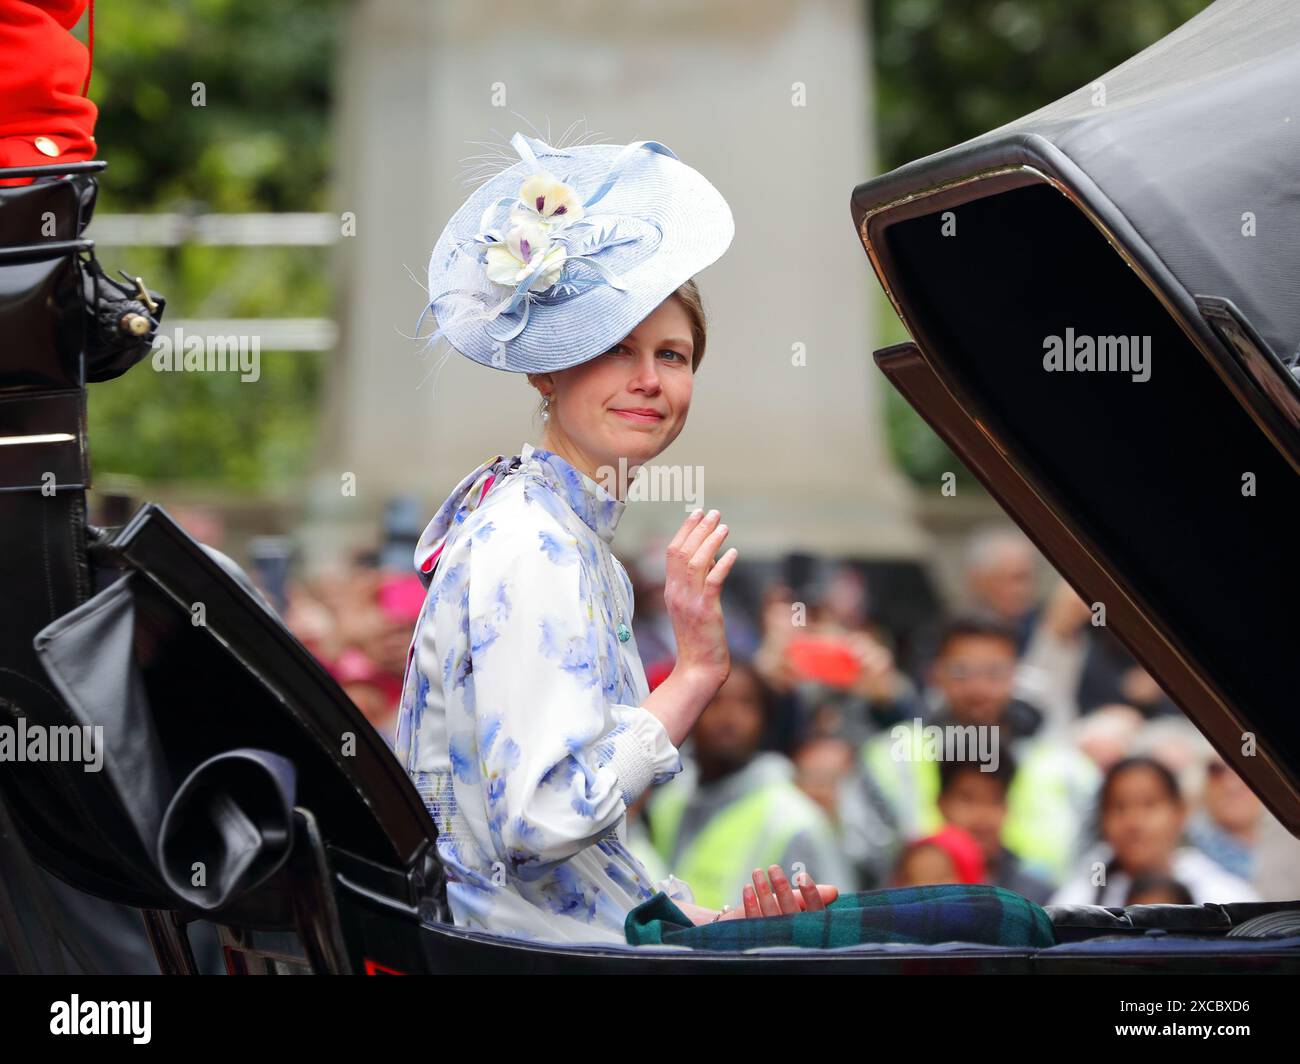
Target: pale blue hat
{"x": 559, "y": 256}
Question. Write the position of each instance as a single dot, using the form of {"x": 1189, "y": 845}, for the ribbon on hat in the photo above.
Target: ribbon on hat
{"x": 538, "y": 242}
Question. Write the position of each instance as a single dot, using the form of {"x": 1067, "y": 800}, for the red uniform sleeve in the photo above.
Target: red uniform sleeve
{"x": 44, "y": 118}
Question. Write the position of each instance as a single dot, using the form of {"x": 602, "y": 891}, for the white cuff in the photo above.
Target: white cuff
{"x": 643, "y": 753}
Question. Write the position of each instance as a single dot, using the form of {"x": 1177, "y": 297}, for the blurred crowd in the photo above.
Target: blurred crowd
{"x": 1004, "y": 738}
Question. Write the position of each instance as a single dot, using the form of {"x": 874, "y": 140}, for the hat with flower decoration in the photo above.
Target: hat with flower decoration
{"x": 559, "y": 256}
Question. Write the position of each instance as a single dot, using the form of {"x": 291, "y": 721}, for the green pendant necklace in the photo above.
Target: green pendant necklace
{"x": 623, "y": 632}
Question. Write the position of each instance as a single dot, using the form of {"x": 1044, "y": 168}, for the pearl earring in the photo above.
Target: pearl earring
{"x": 546, "y": 407}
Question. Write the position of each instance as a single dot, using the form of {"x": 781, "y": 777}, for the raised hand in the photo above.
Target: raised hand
{"x": 692, "y": 595}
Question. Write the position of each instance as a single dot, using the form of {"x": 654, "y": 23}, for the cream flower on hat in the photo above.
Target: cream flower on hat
{"x": 526, "y": 247}
{"x": 546, "y": 199}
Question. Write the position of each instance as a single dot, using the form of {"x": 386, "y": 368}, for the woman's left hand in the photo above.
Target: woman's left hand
{"x": 778, "y": 897}
{"x": 774, "y": 898}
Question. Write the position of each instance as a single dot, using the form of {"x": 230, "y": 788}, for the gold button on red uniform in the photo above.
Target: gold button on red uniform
{"x": 43, "y": 75}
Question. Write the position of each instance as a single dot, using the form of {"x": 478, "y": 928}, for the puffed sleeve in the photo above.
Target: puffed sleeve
{"x": 536, "y": 743}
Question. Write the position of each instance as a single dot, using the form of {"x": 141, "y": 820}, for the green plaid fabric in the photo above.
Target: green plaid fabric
{"x": 984, "y": 915}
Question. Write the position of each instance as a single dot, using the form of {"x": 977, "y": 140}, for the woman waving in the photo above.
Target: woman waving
{"x": 526, "y": 720}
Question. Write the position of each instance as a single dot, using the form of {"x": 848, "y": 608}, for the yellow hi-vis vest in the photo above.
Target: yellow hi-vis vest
{"x": 752, "y": 832}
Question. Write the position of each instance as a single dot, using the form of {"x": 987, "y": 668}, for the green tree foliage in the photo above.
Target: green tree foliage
{"x": 261, "y": 140}
{"x": 222, "y": 106}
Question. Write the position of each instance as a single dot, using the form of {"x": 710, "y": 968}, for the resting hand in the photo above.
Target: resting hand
{"x": 778, "y": 897}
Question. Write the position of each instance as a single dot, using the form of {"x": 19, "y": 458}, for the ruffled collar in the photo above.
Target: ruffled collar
{"x": 598, "y": 508}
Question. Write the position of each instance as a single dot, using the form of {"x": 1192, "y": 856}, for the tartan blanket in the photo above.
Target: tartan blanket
{"x": 950, "y": 912}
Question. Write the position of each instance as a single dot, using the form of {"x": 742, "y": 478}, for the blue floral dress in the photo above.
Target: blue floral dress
{"x": 521, "y": 720}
